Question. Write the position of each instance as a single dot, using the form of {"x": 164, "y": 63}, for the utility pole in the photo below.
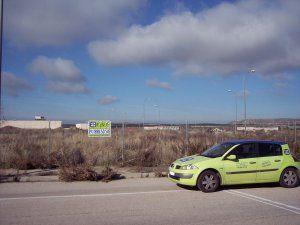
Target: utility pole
{"x": 1, "y": 32}
{"x": 144, "y": 115}
{"x": 245, "y": 105}
{"x": 49, "y": 141}
{"x": 144, "y": 112}
{"x": 295, "y": 132}
{"x": 123, "y": 141}
{"x": 245, "y": 100}
{"x": 236, "y": 112}
{"x": 186, "y": 137}
{"x": 236, "y": 108}
{"x": 159, "y": 130}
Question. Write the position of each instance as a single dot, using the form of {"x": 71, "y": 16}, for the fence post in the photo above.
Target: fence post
{"x": 123, "y": 141}
{"x": 295, "y": 132}
{"x": 186, "y": 137}
{"x": 49, "y": 141}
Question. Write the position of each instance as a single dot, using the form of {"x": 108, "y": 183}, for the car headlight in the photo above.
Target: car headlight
{"x": 189, "y": 167}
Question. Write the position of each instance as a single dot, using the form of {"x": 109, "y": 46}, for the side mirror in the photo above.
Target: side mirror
{"x": 231, "y": 157}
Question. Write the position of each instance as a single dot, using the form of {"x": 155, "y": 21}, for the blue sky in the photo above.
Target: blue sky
{"x": 106, "y": 59}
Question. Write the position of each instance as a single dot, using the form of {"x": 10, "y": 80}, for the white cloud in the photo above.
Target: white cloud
{"x": 107, "y": 99}
{"x": 58, "y": 22}
{"x": 63, "y": 75}
{"x": 67, "y": 87}
{"x": 15, "y": 85}
{"x": 159, "y": 84}
{"x": 56, "y": 69}
{"x": 228, "y": 38}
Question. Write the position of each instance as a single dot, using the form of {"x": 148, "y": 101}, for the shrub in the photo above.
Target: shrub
{"x": 108, "y": 174}
{"x": 78, "y": 173}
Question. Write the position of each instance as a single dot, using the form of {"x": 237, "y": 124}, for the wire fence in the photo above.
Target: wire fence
{"x": 134, "y": 145}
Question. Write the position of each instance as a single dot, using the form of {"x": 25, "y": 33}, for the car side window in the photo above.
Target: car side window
{"x": 267, "y": 149}
{"x": 245, "y": 151}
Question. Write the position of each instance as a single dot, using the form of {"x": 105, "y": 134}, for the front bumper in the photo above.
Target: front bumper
{"x": 183, "y": 177}
{"x": 178, "y": 176}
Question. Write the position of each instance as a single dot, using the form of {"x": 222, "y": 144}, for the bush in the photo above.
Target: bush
{"x": 108, "y": 174}
{"x": 78, "y": 173}
{"x": 85, "y": 172}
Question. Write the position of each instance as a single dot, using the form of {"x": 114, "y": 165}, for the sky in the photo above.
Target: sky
{"x": 136, "y": 60}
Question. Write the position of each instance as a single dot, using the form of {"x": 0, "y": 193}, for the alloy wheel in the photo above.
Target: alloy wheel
{"x": 209, "y": 182}
{"x": 290, "y": 177}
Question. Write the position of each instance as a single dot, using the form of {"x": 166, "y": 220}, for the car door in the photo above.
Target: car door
{"x": 244, "y": 168}
{"x": 269, "y": 162}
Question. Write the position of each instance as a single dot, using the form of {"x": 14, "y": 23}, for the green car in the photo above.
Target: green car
{"x": 237, "y": 162}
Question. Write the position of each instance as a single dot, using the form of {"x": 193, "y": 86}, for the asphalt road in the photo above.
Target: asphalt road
{"x": 145, "y": 201}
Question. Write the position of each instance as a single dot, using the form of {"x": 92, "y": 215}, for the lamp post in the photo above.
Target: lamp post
{"x": 236, "y": 108}
{"x": 124, "y": 118}
{"x": 245, "y": 100}
{"x": 158, "y": 108}
{"x": 144, "y": 112}
{"x": 159, "y": 139}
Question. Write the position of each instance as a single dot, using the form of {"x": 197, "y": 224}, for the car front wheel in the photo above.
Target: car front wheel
{"x": 208, "y": 181}
{"x": 289, "y": 178}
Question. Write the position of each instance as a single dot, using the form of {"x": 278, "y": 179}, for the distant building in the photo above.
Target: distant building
{"x": 39, "y": 118}
{"x": 162, "y": 128}
{"x": 217, "y": 130}
{"x": 82, "y": 126}
{"x": 252, "y": 128}
{"x": 31, "y": 124}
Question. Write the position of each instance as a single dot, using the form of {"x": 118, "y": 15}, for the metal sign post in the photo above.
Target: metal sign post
{"x": 100, "y": 128}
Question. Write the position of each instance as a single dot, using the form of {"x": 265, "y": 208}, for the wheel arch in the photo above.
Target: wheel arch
{"x": 212, "y": 169}
{"x": 294, "y": 167}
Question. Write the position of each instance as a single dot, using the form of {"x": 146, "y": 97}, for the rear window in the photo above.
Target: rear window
{"x": 267, "y": 149}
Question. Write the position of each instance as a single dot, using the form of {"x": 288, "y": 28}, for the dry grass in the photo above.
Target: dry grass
{"x": 27, "y": 149}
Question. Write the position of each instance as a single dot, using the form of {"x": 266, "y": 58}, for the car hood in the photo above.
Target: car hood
{"x": 193, "y": 159}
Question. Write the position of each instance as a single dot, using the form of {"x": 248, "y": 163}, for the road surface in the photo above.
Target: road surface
{"x": 145, "y": 201}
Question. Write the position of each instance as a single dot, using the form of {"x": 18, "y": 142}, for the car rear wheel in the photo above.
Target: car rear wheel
{"x": 208, "y": 181}
{"x": 289, "y": 178}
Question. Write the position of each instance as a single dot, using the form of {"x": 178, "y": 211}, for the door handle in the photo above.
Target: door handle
{"x": 252, "y": 162}
{"x": 277, "y": 160}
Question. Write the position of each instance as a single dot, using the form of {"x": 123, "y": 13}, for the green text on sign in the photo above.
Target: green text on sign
{"x": 99, "y": 128}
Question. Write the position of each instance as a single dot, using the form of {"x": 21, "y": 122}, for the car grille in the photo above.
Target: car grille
{"x": 174, "y": 177}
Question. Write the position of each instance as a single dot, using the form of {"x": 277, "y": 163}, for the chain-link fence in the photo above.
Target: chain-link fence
{"x": 133, "y": 145}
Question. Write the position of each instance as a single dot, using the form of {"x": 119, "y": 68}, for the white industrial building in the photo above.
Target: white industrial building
{"x": 82, "y": 126}
{"x": 31, "y": 124}
{"x": 252, "y": 128}
{"x": 161, "y": 127}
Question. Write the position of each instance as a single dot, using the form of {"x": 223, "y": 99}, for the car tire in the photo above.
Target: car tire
{"x": 289, "y": 178}
{"x": 208, "y": 181}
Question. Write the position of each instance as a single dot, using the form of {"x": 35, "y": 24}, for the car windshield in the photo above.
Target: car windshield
{"x": 217, "y": 150}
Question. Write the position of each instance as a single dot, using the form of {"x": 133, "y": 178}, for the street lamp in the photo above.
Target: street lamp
{"x": 144, "y": 111}
{"x": 158, "y": 108}
{"x": 236, "y": 109}
{"x": 245, "y": 100}
{"x": 159, "y": 139}
{"x": 124, "y": 118}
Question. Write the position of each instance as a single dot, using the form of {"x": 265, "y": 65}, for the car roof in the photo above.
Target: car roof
{"x": 244, "y": 141}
